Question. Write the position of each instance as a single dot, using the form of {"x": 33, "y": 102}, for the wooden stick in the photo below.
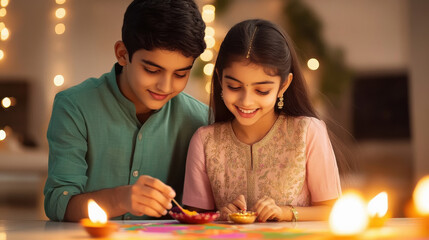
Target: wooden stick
{"x": 181, "y": 209}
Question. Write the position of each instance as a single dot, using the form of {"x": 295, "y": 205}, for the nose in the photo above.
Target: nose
{"x": 165, "y": 83}
{"x": 246, "y": 99}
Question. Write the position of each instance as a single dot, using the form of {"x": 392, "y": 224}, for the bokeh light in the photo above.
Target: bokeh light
{"x": 208, "y": 86}
{"x": 348, "y": 215}
{"x": 421, "y": 196}
{"x": 59, "y": 80}
{"x": 313, "y": 64}
{"x": 60, "y": 28}
{"x": 4, "y": 34}
{"x": 4, "y": 3}
{"x": 210, "y": 41}
{"x": 60, "y": 13}
{"x": 207, "y": 55}
{"x": 6, "y": 102}
{"x": 60, "y": 1}
{"x": 3, "y": 12}
{"x": 2, "y": 135}
{"x": 208, "y": 13}
{"x": 208, "y": 69}
{"x": 210, "y": 31}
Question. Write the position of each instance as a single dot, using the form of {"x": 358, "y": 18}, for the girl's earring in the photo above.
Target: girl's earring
{"x": 221, "y": 95}
{"x": 280, "y": 104}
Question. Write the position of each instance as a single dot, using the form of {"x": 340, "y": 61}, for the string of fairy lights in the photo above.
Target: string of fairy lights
{"x": 60, "y": 28}
{"x": 208, "y": 15}
{"x": 6, "y": 102}
{"x": 60, "y": 13}
{"x": 4, "y": 31}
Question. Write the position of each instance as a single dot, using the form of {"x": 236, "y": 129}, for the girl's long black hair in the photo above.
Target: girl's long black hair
{"x": 264, "y": 43}
{"x": 270, "y": 47}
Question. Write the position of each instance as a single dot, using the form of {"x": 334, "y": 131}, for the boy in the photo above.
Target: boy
{"x": 122, "y": 139}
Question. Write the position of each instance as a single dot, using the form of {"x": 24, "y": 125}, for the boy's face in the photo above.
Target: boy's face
{"x": 154, "y": 77}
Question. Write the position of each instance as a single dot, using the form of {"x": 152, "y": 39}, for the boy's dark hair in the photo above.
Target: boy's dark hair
{"x": 174, "y": 25}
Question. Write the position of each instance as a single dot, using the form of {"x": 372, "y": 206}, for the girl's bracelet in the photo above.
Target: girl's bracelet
{"x": 294, "y": 213}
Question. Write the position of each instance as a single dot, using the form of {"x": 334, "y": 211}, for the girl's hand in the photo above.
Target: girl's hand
{"x": 239, "y": 204}
{"x": 267, "y": 209}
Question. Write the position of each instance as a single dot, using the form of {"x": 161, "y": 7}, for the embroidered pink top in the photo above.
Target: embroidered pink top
{"x": 293, "y": 164}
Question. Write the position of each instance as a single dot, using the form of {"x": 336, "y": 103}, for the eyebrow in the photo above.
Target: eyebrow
{"x": 158, "y": 66}
{"x": 255, "y": 83}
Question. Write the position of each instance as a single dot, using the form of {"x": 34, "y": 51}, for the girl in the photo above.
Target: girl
{"x": 267, "y": 150}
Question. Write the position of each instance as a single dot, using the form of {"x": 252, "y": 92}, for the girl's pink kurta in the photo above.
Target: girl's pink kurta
{"x": 293, "y": 164}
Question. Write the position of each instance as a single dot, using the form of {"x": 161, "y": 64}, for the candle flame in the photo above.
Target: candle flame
{"x": 349, "y": 215}
{"x": 96, "y": 213}
{"x": 378, "y": 206}
{"x": 421, "y": 196}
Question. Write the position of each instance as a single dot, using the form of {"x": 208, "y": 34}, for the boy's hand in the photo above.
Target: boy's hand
{"x": 239, "y": 204}
{"x": 149, "y": 196}
{"x": 267, "y": 209}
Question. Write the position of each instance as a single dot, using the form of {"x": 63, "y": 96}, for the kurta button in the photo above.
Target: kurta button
{"x": 65, "y": 193}
{"x": 140, "y": 136}
{"x": 136, "y": 173}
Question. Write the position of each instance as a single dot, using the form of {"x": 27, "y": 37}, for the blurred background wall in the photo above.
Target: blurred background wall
{"x": 371, "y": 80}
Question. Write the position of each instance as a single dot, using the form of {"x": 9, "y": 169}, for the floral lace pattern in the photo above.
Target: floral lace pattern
{"x": 274, "y": 167}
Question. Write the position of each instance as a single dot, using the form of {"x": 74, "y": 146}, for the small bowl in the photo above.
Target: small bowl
{"x": 243, "y": 217}
{"x": 200, "y": 218}
{"x": 99, "y": 230}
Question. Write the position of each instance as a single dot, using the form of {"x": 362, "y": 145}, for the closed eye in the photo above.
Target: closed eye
{"x": 180, "y": 75}
{"x": 263, "y": 92}
{"x": 233, "y": 88}
{"x": 151, "y": 71}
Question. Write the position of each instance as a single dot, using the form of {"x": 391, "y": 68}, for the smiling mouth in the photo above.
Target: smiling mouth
{"x": 247, "y": 111}
{"x": 157, "y": 96}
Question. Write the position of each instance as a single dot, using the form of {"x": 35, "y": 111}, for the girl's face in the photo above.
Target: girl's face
{"x": 250, "y": 93}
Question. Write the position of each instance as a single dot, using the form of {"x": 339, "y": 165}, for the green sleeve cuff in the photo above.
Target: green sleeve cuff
{"x": 56, "y": 201}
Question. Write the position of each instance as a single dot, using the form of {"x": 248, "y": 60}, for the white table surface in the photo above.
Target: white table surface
{"x": 46, "y": 230}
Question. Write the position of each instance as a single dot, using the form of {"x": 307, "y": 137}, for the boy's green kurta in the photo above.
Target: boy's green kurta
{"x": 96, "y": 141}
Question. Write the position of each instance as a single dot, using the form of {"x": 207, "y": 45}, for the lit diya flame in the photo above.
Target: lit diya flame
{"x": 421, "y": 202}
{"x": 349, "y": 215}
{"x": 97, "y": 225}
{"x": 378, "y": 205}
{"x": 421, "y": 196}
{"x": 377, "y": 209}
{"x": 96, "y": 213}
